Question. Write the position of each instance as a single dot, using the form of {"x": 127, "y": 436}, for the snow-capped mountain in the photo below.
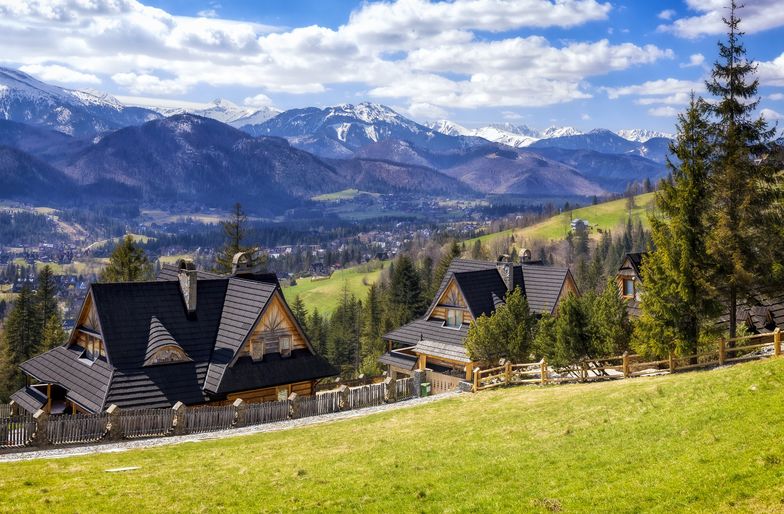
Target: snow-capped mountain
{"x": 518, "y": 136}
{"x": 340, "y": 130}
{"x": 78, "y": 113}
{"x": 552, "y": 132}
{"x": 642, "y": 135}
{"x": 222, "y": 110}
{"x": 448, "y": 128}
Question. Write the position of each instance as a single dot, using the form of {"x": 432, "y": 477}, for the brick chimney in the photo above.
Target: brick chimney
{"x": 188, "y": 277}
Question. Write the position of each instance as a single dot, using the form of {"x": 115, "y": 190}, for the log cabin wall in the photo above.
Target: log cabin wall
{"x": 270, "y": 394}
{"x": 451, "y": 299}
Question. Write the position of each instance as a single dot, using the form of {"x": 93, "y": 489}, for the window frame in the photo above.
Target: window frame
{"x": 287, "y": 352}
{"x": 458, "y": 316}
{"x": 257, "y": 341}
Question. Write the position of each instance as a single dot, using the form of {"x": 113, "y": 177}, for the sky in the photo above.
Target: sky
{"x": 583, "y": 63}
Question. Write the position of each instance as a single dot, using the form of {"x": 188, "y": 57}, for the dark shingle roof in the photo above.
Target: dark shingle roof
{"x": 159, "y": 386}
{"x": 479, "y": 287}
{"x": 274, "y": 370}
{"x": 449, "y": 351}
{"x": 244, "y": 301}
{"x": 433, "y": 330}
{"x": 86, "y": 382}
{"x": 30, "y": 399}
{"x": 636, "y": 261}
{"x": 543, "y": 285}
{"x": 401, "y": 360}
{"x": 459, "y": 266}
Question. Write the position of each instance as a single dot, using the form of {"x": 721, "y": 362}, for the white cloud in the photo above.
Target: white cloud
{"x": 585, "y": 117}
{"x": 667, "y": 14}
{"x": 59, "y": 74}
{"x": 694, "y": 60}
{"x": 207, "y": 13}
{"x": 771, "y": 73}
{"x": 439, "y": 62}
{"x": 664, "y": 112}
{"x": 776, "y": 96}
{"x": 771, "y": 115}
{"x": 665, "y": 88}
{"x": 511, "y": 115}
{"x": 258, "y": 101}
{"x": 424, "y": 111}
{"x": 756, "y": 16}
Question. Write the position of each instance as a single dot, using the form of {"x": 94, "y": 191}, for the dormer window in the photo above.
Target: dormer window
{"x": 628, "y": 287}
{"x": 91, "y": 344}
{"x": 454, "y": 318}
{"x": 284, "y": 346}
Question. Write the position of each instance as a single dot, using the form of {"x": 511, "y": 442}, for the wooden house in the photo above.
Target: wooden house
{"x": 194, "y": 337}
{"x": 469, "y": 289}
{"x": 629, "y": 281}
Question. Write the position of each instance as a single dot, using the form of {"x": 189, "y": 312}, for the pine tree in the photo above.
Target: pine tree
{"x": 738, "y": 240}
{"x": 22, "y": 334}
{"x": 677, "y": 296}
{"x": 128, "y": 263}
{"x": 371, "y": 344}
{"x": 405, "y": 292}
{"x": 507, "y": 333}
{"x": 300, "y": 312}
{"x": 46, "y": 295}
{"x": 443, "y": 265}
{"x": 235, "y": 231}
{"x": 52, "y": 334}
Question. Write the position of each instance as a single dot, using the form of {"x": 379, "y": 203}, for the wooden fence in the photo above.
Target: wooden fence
{"x": 16, "y": 431}
{"x": 209, "y": 418}
{"x": 318, "y": 405}
{"x": 118, "y": 424}
{"x": 145, "y": 422}
{"x": 5, "y": 410}
{"x": 267, "y": 412}
{"x": 441, "y": 383}
{"x": 404, "y": 388}
{"x": 366, "y": 396}
{"x": 77, "y": 428}
{"x": 730, "y": 351}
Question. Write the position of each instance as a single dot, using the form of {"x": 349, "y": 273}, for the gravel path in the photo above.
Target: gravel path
{"x": 72, "y": 451}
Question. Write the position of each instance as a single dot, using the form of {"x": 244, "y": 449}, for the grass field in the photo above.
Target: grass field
{"x": 346, "y": 194}
{"x": 610, "y": 215}
{"x": 700, "y": 442}
{"x": 325, "y": 294}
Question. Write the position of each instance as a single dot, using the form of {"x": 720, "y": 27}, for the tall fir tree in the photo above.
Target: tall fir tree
{"x": 235, "y": 231}
{"x": 46, "y": 295}
{"x": 677, "y": 298}
{"x": 452, "y": 253}
{"x": 738, "y": 239}
{"x": 22, "y": 335}
{"x": 405, "y": 291}
{"x": 127, "y": 263}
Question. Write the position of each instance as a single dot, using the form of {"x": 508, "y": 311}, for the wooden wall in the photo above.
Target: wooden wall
{"x": 270, "y": 394}
{"x": 451, "y": 299}
{"x": 274, "y": 323}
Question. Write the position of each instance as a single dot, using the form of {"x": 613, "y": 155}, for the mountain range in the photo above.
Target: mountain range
{"x": 90, "y": 143}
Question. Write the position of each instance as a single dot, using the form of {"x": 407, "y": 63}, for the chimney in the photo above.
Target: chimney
{"x": 188, "y": 277}
{"x": 525, "y": 255}
{"x": 505, "y": 270}
{"x": 242, "y": 262}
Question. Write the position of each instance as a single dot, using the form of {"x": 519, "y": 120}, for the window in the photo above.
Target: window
{"x": 93, "y": 346}
{"x": 454, "y": 318}
{"x": 257, "y": 348}
{"x": 284, "y": 346}
{"x": 282, "y": 392}
{"x": 628, "y": 287}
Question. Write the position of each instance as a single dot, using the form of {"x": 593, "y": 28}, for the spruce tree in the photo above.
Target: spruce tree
{"x": 405, "y": 292}
{"x": 738, "y": 239}
{"x": 443, "y": 265}
{"x": 53, "y": 334}
{"x": 677, "y": 297}
{"x": 128, "y": 263}
{"x": 235, "y": 231}
{"x": 300, "y": 312}
{"x": 46, "y": 295}
{"x": 22, "y": 334}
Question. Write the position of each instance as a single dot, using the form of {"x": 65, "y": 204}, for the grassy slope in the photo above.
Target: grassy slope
{"x": 700, "y": 442}
{"x": 325, "y": 294}
{"x": 609, "y": 215}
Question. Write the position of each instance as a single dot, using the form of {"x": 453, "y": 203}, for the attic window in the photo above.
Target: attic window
{"x": 284, "y": 346}
{"x": 628, "y": 287}
{"x": 454, "y": 318}
{"x": 167, "y": 355}
{"x": 92, "y": 346}
{"x": 257, "y": 348}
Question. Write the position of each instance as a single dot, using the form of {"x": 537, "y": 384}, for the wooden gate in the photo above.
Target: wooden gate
{"x": 440, "y": 383}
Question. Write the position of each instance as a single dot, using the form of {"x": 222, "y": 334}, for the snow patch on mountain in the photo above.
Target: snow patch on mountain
{"x": 642, "y": 135}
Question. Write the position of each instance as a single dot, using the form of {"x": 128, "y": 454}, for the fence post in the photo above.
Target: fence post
{"x": 390, "y": 390}
{"x": 672, "y": 362}
{"x": 583, "y": 370}
{"x": 777, "y": 342}
{"x": 115, "y": 431}
{"x": 294, "y": 405}
{"x": 344, "y": 392}
{"x": 722, "y": 351}
{"x": 477, "y": 371}
{"x": 508, "y": 372}
{"x": 626, "y": 373}
{"x": 240, "y": 412}
{"x": 420, "y": 376}
{"x": 41, "y": 436}
{"x": 543, "y": 371}
{"x": 179, "y": 418}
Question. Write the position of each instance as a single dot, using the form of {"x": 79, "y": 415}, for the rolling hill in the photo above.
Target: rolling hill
{"x": 689, "y": 442}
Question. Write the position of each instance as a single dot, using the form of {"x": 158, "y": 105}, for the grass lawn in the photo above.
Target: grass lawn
{"x": 346, "y": 194}
{"x": 699, "y": 442}
{"x": 610, "y": 215}
{"x": 325, "y": 294}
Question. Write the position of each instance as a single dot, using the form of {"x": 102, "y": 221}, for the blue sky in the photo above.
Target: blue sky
{"x": 585, "y": 63}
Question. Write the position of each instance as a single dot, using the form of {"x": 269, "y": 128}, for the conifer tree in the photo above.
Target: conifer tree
{"x": 443, "y": 265}
{"x": 128, "y": 263}
{"x": 53, "y": 334}
{"x": 235, "y": 231}
{"x": 507, "y": 333}
{"x": 677, "y": 297}
{"x": 300, "y": 312}
{"x": 22, "y": 334}
{"x": 737, "y": 242}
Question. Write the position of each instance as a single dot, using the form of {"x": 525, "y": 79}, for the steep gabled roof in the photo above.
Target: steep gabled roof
{"x": 159, "y": 338}
{"x": 543, "y": 286}
{"x": 245, "y": 300}
{"x": 479, "y": 287}
{"x": 411, "y": 333}
{"x": 458, "y": 266}
{"x": 635, "y": 259}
